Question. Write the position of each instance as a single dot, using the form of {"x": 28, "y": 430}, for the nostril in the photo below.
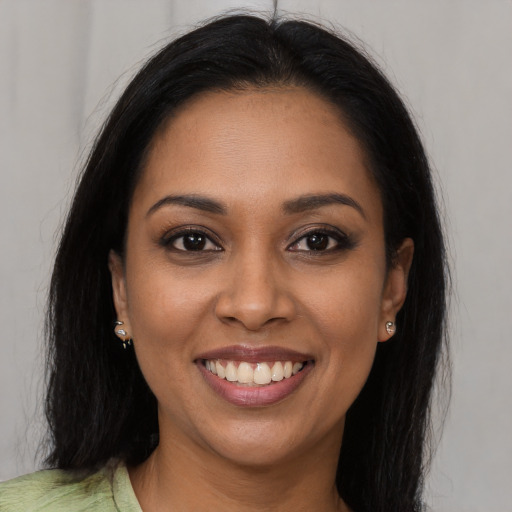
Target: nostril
{"x": 254, "y": 306}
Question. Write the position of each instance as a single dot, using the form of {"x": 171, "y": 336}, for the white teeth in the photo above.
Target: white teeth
{"x": 245, "y": 373}
{"x": 262, "y": 374}
{"x": 277, "y": 372}
{"x": 297, "y": 367}
{"x": 231, "y": 372}
{"x": 253, "y": 374}
{"x": 288, "y": 367}
{"x": 221, "y": 372}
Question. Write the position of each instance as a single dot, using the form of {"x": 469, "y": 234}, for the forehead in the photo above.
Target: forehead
{"x": 256, "y": 145}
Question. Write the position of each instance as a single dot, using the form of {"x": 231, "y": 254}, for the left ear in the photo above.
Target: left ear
{"x": 119, "y": 295}
{"x": 395, "y": 288}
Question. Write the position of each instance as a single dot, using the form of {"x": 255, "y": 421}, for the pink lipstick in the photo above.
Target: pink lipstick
{"x": 254, "y": 377}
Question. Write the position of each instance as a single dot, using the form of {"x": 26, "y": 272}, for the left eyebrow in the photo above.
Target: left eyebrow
{"x": 202, "y": 203}
{"x": 314, "y": 201}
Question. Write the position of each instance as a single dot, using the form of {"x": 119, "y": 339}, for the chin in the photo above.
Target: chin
{"x": 258, "y": 455}
{"x": 263, "y": 444}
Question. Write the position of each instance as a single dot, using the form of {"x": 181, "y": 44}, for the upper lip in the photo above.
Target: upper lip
{"x": 253, "y": 354}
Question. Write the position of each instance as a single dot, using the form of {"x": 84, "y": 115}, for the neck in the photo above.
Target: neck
{"x": 184, "y": 476}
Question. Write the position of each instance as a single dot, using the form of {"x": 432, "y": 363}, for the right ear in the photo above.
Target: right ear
{"x": 116, "y": 267}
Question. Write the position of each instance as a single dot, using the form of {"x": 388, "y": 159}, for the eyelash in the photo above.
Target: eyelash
{"x": 169, "y": 240}
{"x": 341, "y": 241}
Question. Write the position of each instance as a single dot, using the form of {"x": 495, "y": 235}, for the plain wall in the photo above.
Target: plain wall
{"x": 62, "y": 64}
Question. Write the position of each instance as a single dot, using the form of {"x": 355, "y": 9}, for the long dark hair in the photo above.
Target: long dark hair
{"x": 98, "y": 404}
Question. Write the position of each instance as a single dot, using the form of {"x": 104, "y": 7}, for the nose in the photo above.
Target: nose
{"x": 254, "y": 293}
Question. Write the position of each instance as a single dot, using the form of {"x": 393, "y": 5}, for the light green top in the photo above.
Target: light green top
{"x": 54, "y": 490}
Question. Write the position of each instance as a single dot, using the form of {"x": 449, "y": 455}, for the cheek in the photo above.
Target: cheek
{"x": 163, "y": 302}
{"x": 345, "y": 304}
{"x": 166, "y": 315}
{"x": 345, "y": 311}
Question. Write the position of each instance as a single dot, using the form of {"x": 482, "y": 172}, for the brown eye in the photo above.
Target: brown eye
{"x": 317, "y": 242}
{"x": 192, "y": 241}
{"x": 322, "y": 241}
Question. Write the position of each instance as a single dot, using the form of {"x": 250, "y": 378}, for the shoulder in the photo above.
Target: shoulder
{"x": 56, "y": 490}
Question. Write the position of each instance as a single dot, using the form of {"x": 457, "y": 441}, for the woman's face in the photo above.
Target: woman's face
{"x": 255, "y": 247}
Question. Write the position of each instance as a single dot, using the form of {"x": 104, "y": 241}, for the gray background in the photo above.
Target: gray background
{"x": 60, "y": 63}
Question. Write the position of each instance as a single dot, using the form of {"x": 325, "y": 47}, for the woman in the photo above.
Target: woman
{"x": 247, "y": 305}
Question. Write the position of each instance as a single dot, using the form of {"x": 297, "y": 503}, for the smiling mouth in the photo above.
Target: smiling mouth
{"x": 248, "y": 374}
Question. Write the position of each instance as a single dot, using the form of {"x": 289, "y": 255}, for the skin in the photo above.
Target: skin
{"x": 257, "y": 283}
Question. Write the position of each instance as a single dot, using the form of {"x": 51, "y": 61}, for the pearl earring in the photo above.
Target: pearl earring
{"x": 122, "y": 334}
{"x": 390, "y": 328}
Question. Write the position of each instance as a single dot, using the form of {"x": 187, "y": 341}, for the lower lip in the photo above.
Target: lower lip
{"x": 257, "y": 396}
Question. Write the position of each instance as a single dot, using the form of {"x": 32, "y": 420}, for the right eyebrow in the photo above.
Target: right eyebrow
{"x": 202, "y": 203}
{"x": 314, "y": 201}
